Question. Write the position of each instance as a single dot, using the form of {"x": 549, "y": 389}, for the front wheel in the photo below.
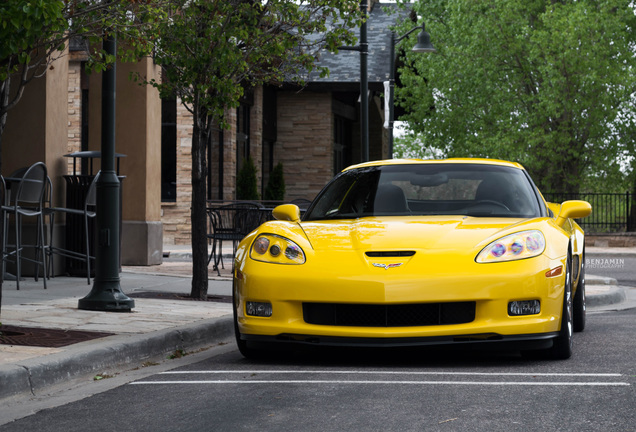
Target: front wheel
{"x": 562, "y": 347}
{"x": 246, "y": 351}
{"x": 579, "y": 299}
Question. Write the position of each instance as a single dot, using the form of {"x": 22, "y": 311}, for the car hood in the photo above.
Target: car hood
{"x": 400, "y": 233}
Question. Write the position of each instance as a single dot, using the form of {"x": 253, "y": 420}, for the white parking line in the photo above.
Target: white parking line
{"x": 356, "y": 372}
{"x": 253, "y": 373}
{"x": 482, "y": 383}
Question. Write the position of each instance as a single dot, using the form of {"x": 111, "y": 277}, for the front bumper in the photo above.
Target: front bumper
{"x": 490, "y": 286}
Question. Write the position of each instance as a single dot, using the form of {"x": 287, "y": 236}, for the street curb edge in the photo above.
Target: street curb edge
{"x": 33, "y": 376}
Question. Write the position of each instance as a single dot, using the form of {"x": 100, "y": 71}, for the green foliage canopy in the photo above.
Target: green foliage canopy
{"x": 22, "y": 24}
{"x": 547, "y": 83}
{"x": 34, "y": 33}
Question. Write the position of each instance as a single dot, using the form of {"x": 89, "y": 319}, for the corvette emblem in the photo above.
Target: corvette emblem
{"x": 386, "y": 266}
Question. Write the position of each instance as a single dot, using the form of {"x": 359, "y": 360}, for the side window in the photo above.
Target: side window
{"x": 341, "y": 144}
{"x": 169, "y": 150}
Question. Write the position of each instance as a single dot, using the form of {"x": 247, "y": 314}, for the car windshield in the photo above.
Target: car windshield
{"x": 478, "y": 190}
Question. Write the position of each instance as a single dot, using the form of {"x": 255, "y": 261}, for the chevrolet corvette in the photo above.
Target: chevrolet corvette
{"x": 414, "y": 253}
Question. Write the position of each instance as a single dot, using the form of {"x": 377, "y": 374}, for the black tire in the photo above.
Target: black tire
{"x": 246, "y": 351}
{"x": 562, "y": 346}
{"x": 579, "y": 299}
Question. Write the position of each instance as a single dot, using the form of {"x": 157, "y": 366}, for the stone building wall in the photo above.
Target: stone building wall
{"x": 304, "y": 145}
{"x": 74, "y": 112}
{"x": 176, "y": 215}
{"x": 229, "y": 156}
{"x": 305, "y": 142}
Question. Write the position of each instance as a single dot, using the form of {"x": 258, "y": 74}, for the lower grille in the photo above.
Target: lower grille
{"x": 400, "y": 315}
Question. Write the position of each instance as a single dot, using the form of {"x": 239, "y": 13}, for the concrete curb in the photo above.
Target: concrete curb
{"x": 610, "y": 292}
{"x": 32, "y": 376}
{"x": 613, "y": 295}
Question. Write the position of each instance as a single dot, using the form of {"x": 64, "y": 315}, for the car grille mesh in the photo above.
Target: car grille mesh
{"x": 399, "y": 315}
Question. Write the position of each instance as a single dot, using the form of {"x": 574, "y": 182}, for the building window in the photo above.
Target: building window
{"x": 269, "y": 134}
{"x": 341, "y": 143}
{"x": 268, "y": 164}
{"x": 215, "y": 164}
{"x": 169, "y": 150}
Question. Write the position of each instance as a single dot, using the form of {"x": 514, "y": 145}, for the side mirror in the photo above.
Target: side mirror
{"x": 287, "y": 212}
{"x": 573, "y": 210}
{"x": 555, "y": 208}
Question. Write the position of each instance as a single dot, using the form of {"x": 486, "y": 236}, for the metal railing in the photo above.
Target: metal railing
{"x": 611, "y": 212}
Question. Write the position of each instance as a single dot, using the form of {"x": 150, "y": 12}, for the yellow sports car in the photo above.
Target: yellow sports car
{"x": 414, "y": 252}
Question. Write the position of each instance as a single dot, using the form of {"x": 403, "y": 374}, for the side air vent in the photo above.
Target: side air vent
{"x": 389, "y": 254}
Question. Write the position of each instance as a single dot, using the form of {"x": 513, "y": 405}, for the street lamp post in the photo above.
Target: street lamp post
{"x": 106, "y": 294}
{"x": 363, "y": 48}
{"x": 423, "y": 45}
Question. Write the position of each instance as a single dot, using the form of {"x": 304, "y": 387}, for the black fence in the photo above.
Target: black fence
{"x": 610, "y": 212}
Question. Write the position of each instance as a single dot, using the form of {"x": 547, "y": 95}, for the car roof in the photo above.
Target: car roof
{"x": 477, "y": 161}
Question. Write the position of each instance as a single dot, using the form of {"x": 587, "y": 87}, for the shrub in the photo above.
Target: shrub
{"x": 275, "y": 190}
{"x": 246, "y": 181}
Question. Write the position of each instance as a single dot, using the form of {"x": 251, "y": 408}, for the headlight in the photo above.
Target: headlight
{"x": 521, "y": 245}
{"x": 275, "y": 249}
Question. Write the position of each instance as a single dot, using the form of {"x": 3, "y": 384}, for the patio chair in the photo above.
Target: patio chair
{"x": 25, "y": 199}
{"x": 230, "y": 223}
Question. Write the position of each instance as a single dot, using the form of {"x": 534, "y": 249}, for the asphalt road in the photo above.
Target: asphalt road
{"x": 392, "y": 390}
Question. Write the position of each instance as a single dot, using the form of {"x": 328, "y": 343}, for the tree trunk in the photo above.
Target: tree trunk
{"x": 198, "y": 209}
{"x": 5, "y": 87}
{"x": 4, "y": 100}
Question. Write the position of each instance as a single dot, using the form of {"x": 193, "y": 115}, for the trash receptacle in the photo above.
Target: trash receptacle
{"x": 76, "y": 190}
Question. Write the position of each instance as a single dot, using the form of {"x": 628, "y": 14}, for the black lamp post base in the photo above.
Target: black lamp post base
{"x": 106, "y": 299}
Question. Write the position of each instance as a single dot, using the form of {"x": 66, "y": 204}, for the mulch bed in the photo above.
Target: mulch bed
{"x": 43, "y": 337}
{"x": 178, "y": 296}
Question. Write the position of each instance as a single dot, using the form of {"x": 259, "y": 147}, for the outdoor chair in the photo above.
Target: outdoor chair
{"x": 230, "y": 223}
{"x": 81, "y": 232}
{"x": 25, "y": 198}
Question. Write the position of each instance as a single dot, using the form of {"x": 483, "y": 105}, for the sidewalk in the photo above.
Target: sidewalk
{"x": 161, "y": 322}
